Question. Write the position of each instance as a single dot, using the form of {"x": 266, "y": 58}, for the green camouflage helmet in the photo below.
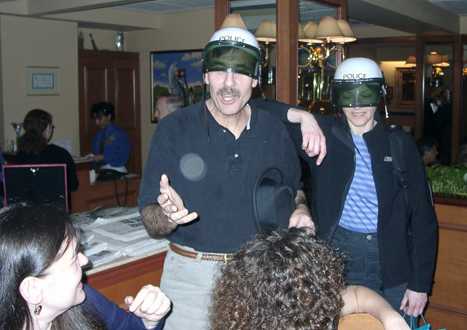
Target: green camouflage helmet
{"x": 232, "y": 50}
{"x": 358, "y": 82}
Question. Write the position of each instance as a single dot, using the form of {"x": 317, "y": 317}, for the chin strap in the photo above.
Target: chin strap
{"x": 386, "y": 112}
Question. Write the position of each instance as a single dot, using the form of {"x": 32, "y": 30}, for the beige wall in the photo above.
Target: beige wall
{"x": 463, "y": 25}
{"x": 36, "y": 42}
{"x": 375, "y": 31}
{"x": 54, "y": 43}
{"x": 186, "y": 30}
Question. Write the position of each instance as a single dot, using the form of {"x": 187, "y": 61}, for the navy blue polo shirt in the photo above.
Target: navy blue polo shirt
{"x": 215, "y": 173}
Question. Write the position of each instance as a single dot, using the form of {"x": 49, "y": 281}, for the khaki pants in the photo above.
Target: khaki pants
{"x": 188, "y": 283}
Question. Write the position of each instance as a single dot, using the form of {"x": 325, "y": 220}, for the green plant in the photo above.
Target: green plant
{"x": 448, "y": 180}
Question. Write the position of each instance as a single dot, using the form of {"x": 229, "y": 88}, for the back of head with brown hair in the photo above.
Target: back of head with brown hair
{"x": 287, "y": 280}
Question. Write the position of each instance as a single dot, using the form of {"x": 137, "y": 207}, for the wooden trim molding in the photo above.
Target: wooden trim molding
{"x": 446, "y": 308}
{"x": 221, "y": 10}
{"x": 287, "y": 51}
{"x": 419, "y": 89}
{"x": 457, "y": 98}
{"x": 127, "y": 271}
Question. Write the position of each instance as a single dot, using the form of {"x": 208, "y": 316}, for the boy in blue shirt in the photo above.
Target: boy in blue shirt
{"x": 110, "y": 146}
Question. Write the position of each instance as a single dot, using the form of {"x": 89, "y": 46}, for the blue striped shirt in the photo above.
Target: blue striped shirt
{"x": 360, "y": 212}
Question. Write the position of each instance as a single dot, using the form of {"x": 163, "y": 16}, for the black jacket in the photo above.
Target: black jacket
{"x": 52, "y": 154}
{"x": 407, "y": 244}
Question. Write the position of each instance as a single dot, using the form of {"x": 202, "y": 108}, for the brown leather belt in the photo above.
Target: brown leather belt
{"x": 224, "y": 257}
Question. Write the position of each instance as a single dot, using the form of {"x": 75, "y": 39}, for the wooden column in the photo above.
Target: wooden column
{"x": 419, "y": 88}
{"x": 287, "y": 52}
{"x": 456, "y": 98}
{"x": 342, "y": 9}
{"x": 221, "y": 10}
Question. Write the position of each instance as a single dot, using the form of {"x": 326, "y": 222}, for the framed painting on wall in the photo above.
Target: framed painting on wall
{"x": 176, "y": 81}
{"x": 42, "y": 80}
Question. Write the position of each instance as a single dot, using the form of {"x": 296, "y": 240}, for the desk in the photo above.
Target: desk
{"x": 448, "y": 304}
{"x": 122, "y": 278}
{"x": 89, "y": 196}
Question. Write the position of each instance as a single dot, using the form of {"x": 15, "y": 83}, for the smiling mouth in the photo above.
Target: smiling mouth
{"x": 228, "y": 95}
{"x": 228, "y": 99}
{"x": 358, "y": 114}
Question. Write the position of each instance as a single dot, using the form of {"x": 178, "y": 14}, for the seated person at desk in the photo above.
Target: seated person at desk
{"x": 40, "y": 270}
{"x": 291, "y": 280}
{"x": 34, "y": 147}
{"x": 110, "y": 146}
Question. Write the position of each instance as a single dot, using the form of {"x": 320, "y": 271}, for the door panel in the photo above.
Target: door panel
{"x": 112, "y": 77}
{"x": 126, "y": 78}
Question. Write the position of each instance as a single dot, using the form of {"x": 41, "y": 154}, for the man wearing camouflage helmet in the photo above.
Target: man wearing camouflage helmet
{"x": 381, "y": 218}
{"x": 213, "y": 154}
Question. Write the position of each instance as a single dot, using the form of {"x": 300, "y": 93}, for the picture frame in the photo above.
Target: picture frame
{"x": 42, "y": 80}
{"x": 176, "y": 80}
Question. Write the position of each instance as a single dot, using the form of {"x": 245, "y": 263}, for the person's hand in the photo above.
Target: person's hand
{"x": 150, "y": 304}
{"x": 313, "y": 139}
{"x": 172, "y": 204}
{"x": 301, "y": 218}
{"x": 413, "y": 303}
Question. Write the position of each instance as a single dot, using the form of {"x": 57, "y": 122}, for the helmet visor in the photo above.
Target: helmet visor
{"x": 357, "y": 94}
{"x": 229, "y": 56}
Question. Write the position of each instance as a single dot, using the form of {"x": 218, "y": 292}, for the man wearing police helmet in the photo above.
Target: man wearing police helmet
{"x": 204, "y": 163}
{"x": 387, "y": 228}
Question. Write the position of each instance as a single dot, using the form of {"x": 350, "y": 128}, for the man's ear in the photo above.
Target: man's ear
{"x": 206, "y": 79}
{"x": 254, "y": 83}
{"x": 31, "y": 290}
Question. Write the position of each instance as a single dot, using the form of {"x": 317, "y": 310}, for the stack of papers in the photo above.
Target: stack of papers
{"x": 110, "y": 234}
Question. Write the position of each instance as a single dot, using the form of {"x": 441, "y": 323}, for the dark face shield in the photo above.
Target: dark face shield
{"x": 357, "y": 93}
{"x": 231, "y": 56}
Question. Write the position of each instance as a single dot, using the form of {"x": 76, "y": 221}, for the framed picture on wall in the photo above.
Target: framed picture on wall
{"x": 42, "y": 80}
{"x": 176, "y": 81}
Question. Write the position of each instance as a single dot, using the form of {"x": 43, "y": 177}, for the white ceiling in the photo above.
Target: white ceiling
{"x": 308, "y": 10}
{"x": 252, "y": 11}
{"x": 440, "y": 14}
{"x": 170, "y": 5}
{"x": 458, "y": 7}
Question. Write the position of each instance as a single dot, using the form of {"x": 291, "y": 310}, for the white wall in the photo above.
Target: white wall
{"x": 37, "y": 42}
{"x": 463, "y": 25}
{"x": 375, "y": 31}
{"x": 54, "y": 43}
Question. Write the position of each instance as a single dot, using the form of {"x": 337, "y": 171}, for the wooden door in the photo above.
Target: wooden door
{"x": 112, "y": 77}
{"x": 94, "y": 86}
{"x": 126, "y": 101}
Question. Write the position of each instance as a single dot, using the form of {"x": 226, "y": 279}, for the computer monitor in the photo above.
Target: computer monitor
{"x": 36, "y": 184}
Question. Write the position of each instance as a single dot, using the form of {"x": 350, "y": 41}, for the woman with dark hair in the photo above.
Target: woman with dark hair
{"x": 291, "y": 280}
{"x": 34, "y": 147}
{"x": 40, "y": 279}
